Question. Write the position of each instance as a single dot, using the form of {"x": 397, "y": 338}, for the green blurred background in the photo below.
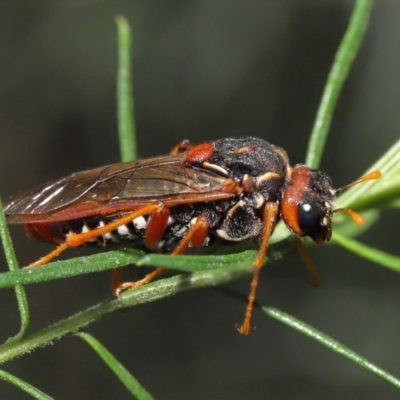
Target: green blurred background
{"x": 203, "y": 70}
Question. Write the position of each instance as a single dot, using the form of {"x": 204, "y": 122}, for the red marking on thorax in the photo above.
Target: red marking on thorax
{"x": 199, "y": 153}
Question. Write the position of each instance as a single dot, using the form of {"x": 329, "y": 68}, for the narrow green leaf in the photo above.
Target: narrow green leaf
{"x": 125, "y": 102}
{"x": 132, "y": 384}
{"x": 193, "y": 263}
{"x": 329, "y": 343}
{"x": 144, "y": 294}
{"x": 24, "y": 386}
{"x": 13, "y": 266}
{"x": 198, "y": 263}
{"x": 72, "y": 267}
{"x": 395, "y": 203}
{"x": 119, "y": 258}
{"x": 342, "y": 63}
{"x": 368, "y": 252}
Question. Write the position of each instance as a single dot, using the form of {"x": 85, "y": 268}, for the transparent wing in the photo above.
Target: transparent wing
{"x": 114, "y": 187}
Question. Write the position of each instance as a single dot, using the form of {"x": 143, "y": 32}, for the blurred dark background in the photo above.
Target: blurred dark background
{"x": 203, "y": 70}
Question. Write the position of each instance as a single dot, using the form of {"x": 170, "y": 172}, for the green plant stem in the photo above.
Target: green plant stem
{"x": 70, "y": 268}
{"x": 368, "y": 252}
{"x": 13, "y": 266}
{"x": 125, "y": 102}
{"x": 150, "y": 292}
{"x": 342, "y": 63}
{"x": 119, "y": 258}
{"x": 24, "y": 386}
{"x": 330, "y": 343}
{"x": 132, "y": 384}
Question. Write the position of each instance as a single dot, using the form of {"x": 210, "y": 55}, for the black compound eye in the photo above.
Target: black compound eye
{"x": 309, "y": 217}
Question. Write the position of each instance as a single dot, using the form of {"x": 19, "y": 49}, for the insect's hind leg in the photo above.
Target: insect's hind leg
{"x": 195, "y": 237}
{"x": 78, "y": 239}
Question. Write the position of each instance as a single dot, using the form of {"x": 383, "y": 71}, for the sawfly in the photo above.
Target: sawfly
{"x": 228, "y": 190}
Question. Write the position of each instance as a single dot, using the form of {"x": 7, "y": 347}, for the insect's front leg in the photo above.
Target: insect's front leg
{"x": 270, "y": 219}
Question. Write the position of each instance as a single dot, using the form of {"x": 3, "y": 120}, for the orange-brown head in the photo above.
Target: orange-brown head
{"x": 307, "y": 202}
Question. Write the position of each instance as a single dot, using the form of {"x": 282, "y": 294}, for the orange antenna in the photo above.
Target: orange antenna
{"x": 357, "y": 218}
{"x": 369, "y": 177}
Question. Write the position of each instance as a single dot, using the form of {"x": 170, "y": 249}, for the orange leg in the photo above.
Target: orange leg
{"x": 181, "y": 147}
{"x": 74, "y": 240}
{"x": 195, "y": 237}
{"x": 156, "y": 227}
{"x": 270, "y": 218}
{"x": 307, "y": 260}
